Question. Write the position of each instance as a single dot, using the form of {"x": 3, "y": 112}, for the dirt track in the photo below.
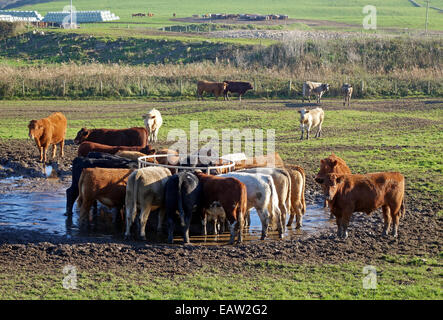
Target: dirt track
{"x": 420, "y": 233}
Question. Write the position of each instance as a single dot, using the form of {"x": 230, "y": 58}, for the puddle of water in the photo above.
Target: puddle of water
{"x": 44, "y": 212}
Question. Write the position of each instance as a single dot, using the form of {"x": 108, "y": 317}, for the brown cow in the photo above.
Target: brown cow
{"x": 351, "y": 193}
{"x": 137, "y": 136}
{"x": 105, "y": 185}
{"x": 216, "y": 88}
{"x": 331, "y": 164}
{"x": 88, "y": 146}
{"x": 47, "y": 131}
{"x": 272, "y": 160}
{"x": 232, "y": 196}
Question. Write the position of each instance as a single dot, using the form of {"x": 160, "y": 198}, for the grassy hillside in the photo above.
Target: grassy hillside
{"x": 390, "y": 13}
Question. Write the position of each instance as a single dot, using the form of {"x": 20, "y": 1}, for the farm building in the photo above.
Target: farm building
{"x": 26, "y": 16}
{"x": 80, "y": 17}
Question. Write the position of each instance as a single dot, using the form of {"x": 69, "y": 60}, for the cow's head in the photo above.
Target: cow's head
{"x": 82, "y": 135}
{"x": 249, "y": 86}
{"x": 150, "y": 119}
{"x": 331, "y": 183}
{"x": 35, "y": 129}
{"x": 325, "y": 86}
{"x": 303, "y": 114}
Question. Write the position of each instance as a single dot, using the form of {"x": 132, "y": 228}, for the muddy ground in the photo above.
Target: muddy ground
{"x": 420, "y": 231}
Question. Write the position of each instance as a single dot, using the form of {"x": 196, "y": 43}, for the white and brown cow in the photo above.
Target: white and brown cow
{"x": 153, "y": 121}
{"x": 310, "y": 119}
{"x": 145, "y": 191}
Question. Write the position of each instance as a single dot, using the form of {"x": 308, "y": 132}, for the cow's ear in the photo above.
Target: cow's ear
{"x": 333, "y": 163}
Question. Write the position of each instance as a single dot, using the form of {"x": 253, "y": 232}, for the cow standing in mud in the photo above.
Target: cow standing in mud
{"x": 182, "y": 195}
{"x": 49, "y": 131}
{"x": 351, "y": 193}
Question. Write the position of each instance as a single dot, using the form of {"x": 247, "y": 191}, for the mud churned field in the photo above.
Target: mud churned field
{"x": 371, "y": 136}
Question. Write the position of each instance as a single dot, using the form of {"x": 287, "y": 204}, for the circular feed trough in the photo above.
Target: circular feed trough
{"x": 226, "y": 165}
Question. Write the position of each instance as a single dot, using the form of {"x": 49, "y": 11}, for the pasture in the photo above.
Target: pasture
{"x": 392, "y": 13}
{"x": 372, "y": 135}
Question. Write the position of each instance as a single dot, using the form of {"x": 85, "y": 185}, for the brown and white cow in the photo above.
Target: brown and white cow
{"x": 47, "y": 131}
{"x": 316, "y": 88}
{"x": 102, "y": 184}
{"x": 331, "y": 164}
{"x": 351, "y": 193}
{"x": 232, "y": 196}
{"x": 216, "y": 88}
{"x": 346, "y": 91}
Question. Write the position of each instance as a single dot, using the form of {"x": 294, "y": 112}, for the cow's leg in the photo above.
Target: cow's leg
{"x": 143, "y": 218}
{"x": 62, "y": 148}
{"x": 264, "y": 218}
{"x": 41, "y": 153}
{"x": 318, "y": 134}
{"x": 232, "y": 231}
{"x": 302, "y": 128}
{"x": 344, "y": 224}
{"x": 395, "y": 216}
{"x": 204, "y": 221}
{"x": 215, "y": 225}
{"x": 291, "y": 219}
{"x": 54, "y": 149}
{"x": 171, "y": 226}
{"x": 307, "y": 132}
{"x": 387, "y": 220}
{"x": 131, "y": 212}
{"x": 161, "y": 218}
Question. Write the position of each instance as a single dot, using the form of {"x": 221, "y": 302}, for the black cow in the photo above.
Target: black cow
{"x": 94, "y": 160}
{"x": 182, "y": 196}
{"x": 237, "y": 87}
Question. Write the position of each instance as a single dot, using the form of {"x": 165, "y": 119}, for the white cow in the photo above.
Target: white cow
{"x": 311, "y": 119}
{"x": 262, "y": 195}
{"x": 317, "y": 88}
{"x": 145, "y": 191}
{"x": 153, "y": 121}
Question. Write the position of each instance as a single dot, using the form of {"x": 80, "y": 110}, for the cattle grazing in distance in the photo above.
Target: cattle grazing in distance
{"x": 137, "y": 136}
{"x": 102, "y": 184}
{"x": 88, "y": 146}
{"x": 182, "y": 196}
{"x": 310, "y": 119}
{"x": 239, "y": 87}
{"x": 216, "y": 88}
{"x": 331, "y": 164}
{"x": 153, "y": 121}
{"x": 145, "y": 192}
{"x": 94, "y": 160}
{"x": 231, "y": 194}
{"x": 346, "y": 91}
{"x": 49, "y": 131}
{"x": 314, "y": 88}
{"x": 351, "y": 193}
{"x": 262, "y": 195}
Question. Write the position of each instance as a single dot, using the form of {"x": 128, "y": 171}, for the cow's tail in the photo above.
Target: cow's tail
{"x": 80, "y": 193}
{"x": 303, "y": 201}
{"x": 180, "y": 202}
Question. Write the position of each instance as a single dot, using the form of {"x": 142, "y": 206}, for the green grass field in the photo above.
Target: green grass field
{"x": 398, "y": 278}
{"x": 390, "y": 13}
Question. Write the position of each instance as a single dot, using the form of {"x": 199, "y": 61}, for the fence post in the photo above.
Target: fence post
{"x": 429, "y": 87}
{"x": 181, "y": 87}
{"x": 23, "y": 87}
{"x": 101, "y": 87}
{"x": 64, "y": 87}
{"x": 289, "y": 87}
{"x": 362, "y": 87}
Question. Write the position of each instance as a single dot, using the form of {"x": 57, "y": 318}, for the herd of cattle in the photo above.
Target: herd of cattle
{"x": 309, "y": 88}
{"x": 106, "y": 170}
